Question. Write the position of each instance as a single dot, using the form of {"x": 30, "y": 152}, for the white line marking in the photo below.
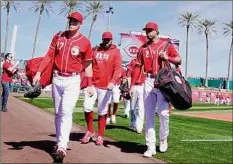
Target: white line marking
{"x": 208, "y": 140}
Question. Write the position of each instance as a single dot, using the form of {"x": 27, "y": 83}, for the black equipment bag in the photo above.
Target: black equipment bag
{"x": 174, "y": 87}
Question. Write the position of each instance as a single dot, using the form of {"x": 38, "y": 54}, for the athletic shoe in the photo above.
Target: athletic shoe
{"x": 108, "y": 121}
{"x": 113, "y": 119}
{"x": 99, "y": 140}
{"x": 163, "y": 146}
{"x": 149, "y": 153}
{"x": 87, "y": 137}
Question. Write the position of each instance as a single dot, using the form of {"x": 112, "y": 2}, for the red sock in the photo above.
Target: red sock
{"x": 101, "y": 125}
{"x": 169, "y": 108}
{"x": 89, "y": 116}
{"x": 109, "y": 109}
{"x": 115, "y": 107}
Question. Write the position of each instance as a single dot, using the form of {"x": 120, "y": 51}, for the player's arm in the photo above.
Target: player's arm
{"x": 117, "y": 68}
{"x": 49, "y": 55}
{"x": 9, "y": 68}
{"x": 88, "y": 57}
{"x": 138, "y": 63}
{"x": 173, "y": 55}
{"x": 47, "y": 59}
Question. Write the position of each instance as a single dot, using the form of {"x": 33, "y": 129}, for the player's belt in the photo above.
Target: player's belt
{"x": 66, "y": 74}
{"x": 150, "y": 75}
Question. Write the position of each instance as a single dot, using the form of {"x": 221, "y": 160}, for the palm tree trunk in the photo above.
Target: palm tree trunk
{"x": 229, "y": 65}
{"x": 7, "y": 31}
{"x": 186, "y": 62}
{"x": 36, "y": 35}
{"x": 207, "y": 58}
{"x": 92, "y": 23}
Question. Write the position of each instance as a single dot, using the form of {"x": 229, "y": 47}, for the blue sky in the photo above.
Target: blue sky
{"x": 132, "y": 15}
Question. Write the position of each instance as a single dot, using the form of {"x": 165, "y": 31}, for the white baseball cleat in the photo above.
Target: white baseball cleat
{"x": 139, "y": 131}
{"x": 113, "y": 119}
{"x": 149, "y": 153}
{"x": 163, "y": 146}
{"x": 108, "y": 121}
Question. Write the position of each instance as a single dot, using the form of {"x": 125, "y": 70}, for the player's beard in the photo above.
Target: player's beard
{"x": 106, "y": 46}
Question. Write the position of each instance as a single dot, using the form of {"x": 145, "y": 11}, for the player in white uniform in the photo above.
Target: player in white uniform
{"x": 150, "y": 56}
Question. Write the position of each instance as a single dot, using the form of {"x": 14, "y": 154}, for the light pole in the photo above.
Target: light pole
{"x": 109, "y": 11}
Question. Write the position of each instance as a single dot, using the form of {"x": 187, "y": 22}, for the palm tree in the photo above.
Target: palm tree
{"x": 7, "y": 5}
{"x": 40, "y": 6}
{"x": 69, "y": 6}
{"x": 207, "y": 27}
{"x": 94, "y": 8}
{"x": 228, "y": 30}
{"x": 188, "y": 20}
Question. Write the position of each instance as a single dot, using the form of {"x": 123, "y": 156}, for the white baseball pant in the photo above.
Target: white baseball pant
{"x": 116, "y": 93}
{"x": 153, "y": 97}
{"x": 65, "y": 93}
{"x": 137, "y": 109}
{"x": 103, "y": 97}
{"x": 126, "y": 107}
{"x": 216, "y": 102}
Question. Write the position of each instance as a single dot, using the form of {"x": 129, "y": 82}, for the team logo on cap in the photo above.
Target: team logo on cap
{"x": 75, "y": 50}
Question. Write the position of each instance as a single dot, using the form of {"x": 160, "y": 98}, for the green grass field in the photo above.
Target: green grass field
{"x": 191, "y": 140}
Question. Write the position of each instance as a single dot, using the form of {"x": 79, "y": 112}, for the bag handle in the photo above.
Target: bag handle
{"x": 166, "y": 63}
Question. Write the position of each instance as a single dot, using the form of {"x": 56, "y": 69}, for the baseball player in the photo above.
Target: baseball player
{"x": 7, "y": 77}
{"x": 116, "y": 93}
{"x": 69, "y": 50}
{"x": 228, "y": 99}
{"x": 136, "y": 80}
{"x": 106, "y": 70}
{"x": 150, "y": 56}
{"x": 216, "y": 102}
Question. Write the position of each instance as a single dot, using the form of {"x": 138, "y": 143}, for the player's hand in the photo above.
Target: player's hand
{"x": 36, "y": 79}
{"x": 110, "y": 86}
{"x": 163, "y": 55}
{"x": 131, "y": 92}
{"x": 90, "y": 91}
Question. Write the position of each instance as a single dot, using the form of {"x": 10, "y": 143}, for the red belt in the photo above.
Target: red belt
{"x": 66, "y": 74}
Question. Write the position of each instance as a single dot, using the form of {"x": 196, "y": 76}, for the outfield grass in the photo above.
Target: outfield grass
{"x": 181, "y": 128}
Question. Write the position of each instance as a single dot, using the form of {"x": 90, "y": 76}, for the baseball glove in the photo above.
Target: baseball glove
{"x": 124, "y": 88}
{"x": 34, "y": 92}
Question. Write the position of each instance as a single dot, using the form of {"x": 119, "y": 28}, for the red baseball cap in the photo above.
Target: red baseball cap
{"x": 107, "y": 35}
{"x": 76, "y": 15}
{"x": 151, "y": 25}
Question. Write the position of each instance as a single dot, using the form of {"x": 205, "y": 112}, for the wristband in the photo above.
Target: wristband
{"x": 172, "y": 59}
{"x": 89, "y": 81}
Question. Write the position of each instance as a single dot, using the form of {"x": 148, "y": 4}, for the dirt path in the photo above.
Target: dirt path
{"x": 27, "y": 136}
{"x": 225, "y": 115}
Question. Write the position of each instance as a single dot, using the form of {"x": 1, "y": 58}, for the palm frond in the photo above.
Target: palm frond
{"x": 44, "y": 4}
{"x": 15, "y": 5}
{"x": 70, "y": 5}
{"x": 228, "y": 28}
{"x": 207, "y": 26}
{"x": 188, "y": 18}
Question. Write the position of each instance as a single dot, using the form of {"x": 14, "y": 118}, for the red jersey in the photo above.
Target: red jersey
{"x": 149, "y": 56}
{"x": 106, "y": 66}
{"x": 136, "y": 73}
{"x": 7, "y": 76}
{"x": 123, "y": 75}
{"x": 69, "y": 53}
